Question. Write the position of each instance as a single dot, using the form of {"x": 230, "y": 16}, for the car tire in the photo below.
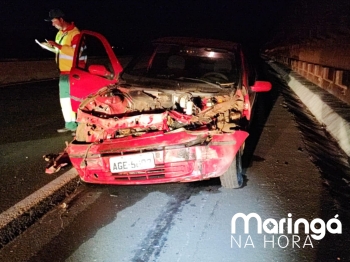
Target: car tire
{"x": 233, "y": 177}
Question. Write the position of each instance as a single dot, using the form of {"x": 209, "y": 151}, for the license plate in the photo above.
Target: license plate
{"x": 131, "y": 162}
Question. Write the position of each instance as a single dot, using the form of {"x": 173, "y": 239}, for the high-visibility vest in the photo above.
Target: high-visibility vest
{"x": 64, "y": 56}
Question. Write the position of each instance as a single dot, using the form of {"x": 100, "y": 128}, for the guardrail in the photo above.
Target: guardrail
{"x": 327, "y": 66}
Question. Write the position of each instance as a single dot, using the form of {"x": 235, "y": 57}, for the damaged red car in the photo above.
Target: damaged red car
{"x": 178, "y": 113}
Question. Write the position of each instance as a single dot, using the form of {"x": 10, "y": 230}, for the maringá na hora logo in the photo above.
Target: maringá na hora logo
{"x": 282, "y": 233}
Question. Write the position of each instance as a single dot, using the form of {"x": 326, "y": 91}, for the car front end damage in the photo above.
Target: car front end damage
{"x": 177, "y": 112}
{"x": 136, "y": 135}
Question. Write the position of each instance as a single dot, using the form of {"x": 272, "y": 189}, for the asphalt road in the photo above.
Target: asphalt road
{"x": 30, "y": 115}
{"x": 188, "y": 222}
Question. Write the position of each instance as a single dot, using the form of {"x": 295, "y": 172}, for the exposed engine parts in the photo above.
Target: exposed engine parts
{"x": 133, "y": 112}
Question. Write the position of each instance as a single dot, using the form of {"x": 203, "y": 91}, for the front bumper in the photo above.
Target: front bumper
{"x": 180, "y": 156}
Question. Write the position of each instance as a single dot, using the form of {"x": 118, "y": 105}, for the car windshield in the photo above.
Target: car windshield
{"x": 184, "y": 62}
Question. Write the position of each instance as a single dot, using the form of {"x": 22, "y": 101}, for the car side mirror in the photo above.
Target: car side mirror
{"x": 261, "y": 86}
{"x": 100, "y": 70}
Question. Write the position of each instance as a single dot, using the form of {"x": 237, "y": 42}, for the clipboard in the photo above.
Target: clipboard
{"x": 46, "y": 46}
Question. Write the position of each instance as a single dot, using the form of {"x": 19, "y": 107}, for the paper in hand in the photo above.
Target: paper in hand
{"x": 46, "y": 46}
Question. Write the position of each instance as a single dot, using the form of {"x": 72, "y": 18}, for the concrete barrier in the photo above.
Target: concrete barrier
{"x": 326, "y": 63}
{"x": 327, "y": 109}
{"x": 14, "y": 71}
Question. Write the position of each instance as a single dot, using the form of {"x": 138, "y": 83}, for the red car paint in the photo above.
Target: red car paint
{"x": 174, "y": 160}
{"x": 157, "y": 123}
{"x": 82, "y": 75}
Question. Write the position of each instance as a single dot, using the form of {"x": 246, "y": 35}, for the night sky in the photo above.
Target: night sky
{"x": 128, "y": 24}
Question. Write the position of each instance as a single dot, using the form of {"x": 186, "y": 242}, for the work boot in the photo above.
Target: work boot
{"x": 63, "y": 130}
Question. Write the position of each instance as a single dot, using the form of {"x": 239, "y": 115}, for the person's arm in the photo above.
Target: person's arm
{"x": 66, "y": 49}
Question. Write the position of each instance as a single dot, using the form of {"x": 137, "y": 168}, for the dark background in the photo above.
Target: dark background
{"x": 129, "y": 24}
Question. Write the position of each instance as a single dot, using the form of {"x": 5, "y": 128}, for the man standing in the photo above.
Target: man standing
{"x": 64, "y": 46}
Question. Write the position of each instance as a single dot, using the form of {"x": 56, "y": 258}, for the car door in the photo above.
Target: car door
{"x": 94, "y": 66}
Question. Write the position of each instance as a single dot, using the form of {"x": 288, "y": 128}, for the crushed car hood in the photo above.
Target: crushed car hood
{"x": 124, "y": 109}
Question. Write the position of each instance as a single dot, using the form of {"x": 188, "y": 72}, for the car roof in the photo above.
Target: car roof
{"x": 198, "y": 42}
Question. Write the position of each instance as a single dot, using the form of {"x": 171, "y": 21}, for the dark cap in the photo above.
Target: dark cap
{"x": 54, "y": 13}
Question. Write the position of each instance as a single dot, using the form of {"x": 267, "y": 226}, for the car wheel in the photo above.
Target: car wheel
{"x": 233, "y": 177}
